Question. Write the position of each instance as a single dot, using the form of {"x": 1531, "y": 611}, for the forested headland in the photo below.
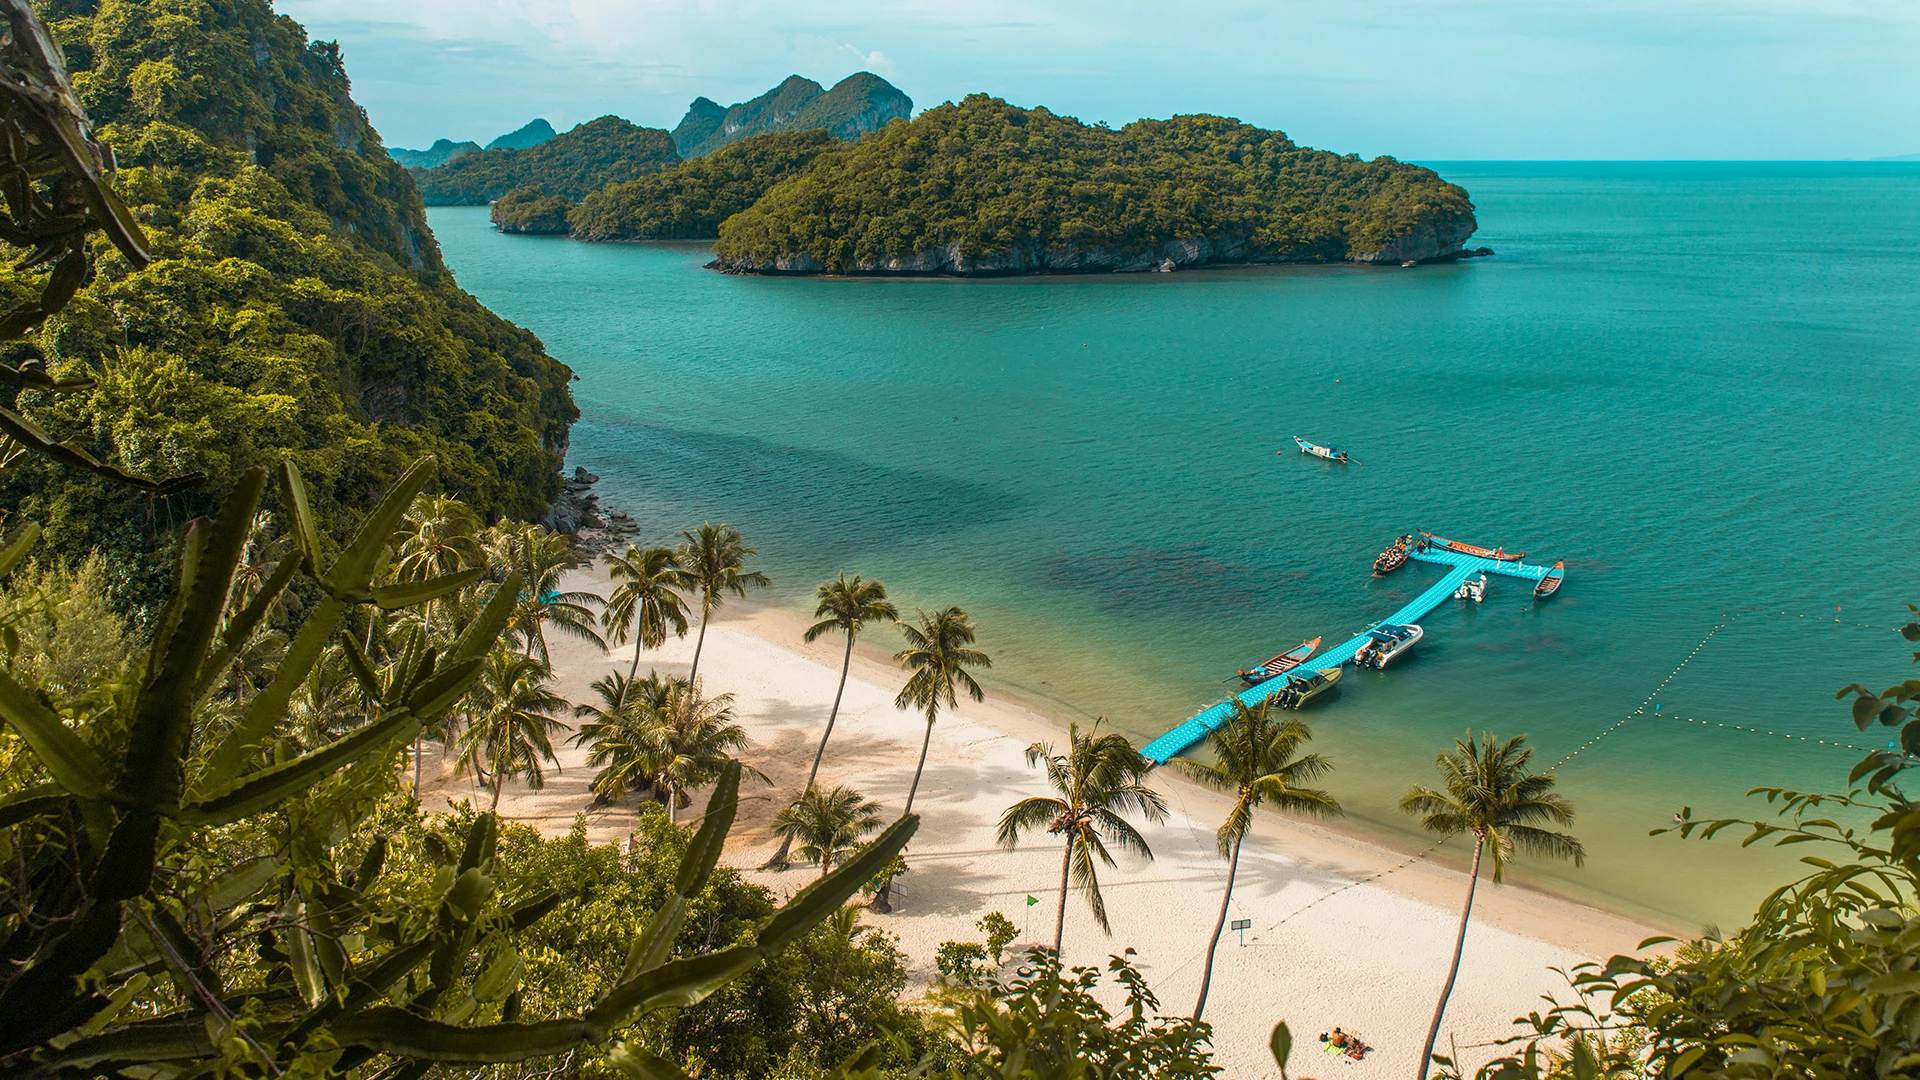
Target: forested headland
{"x": 597, "y": 153}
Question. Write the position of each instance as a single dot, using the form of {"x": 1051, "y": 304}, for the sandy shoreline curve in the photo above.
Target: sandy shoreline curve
{"x": 1329, "y": 945}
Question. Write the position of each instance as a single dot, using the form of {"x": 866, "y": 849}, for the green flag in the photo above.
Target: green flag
{"x": 1032, "y": 900}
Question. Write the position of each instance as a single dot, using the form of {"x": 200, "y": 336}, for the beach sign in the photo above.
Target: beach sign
{"x": 1242, "y": 925}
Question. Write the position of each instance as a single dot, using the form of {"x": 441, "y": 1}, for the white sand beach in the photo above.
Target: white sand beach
{"x": 1368, "y": 957}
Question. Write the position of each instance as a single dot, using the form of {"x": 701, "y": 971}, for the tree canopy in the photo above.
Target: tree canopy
{"x": 691, "y": 199}
{"x": 597, "y": 153}
{"x": 990, "y": 186}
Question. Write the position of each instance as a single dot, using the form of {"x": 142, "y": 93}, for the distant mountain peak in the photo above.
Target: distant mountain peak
{"x": 530, "y": 134}
{"x": 858, "y": 104}
{"x": 441, "y": 152}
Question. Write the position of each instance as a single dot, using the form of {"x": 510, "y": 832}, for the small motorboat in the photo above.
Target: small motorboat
{"x": 1281, "y": 664}
{"x": 1394, "y": 557}
{"x": 1474, "y": 589}
{"x": 1331, "y": 453}
{"x": 1386, "y": 641}
{"x": 1550, "y": 584}
{"x": 1300, "y": 691}
{"x": 1497, "y": 554}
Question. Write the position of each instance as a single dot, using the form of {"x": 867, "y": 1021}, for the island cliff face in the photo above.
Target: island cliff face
{"x": 983, "y": 187}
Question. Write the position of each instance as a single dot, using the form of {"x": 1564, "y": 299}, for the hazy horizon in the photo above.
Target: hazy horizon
{"x": 1449, "y": 80}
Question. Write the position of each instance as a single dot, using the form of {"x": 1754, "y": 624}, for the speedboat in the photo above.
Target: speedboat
{"x": 1331, "y": 453}
{"x": 1550, "y": 584}
{"x": 1281, "y": 664}
{"x": 1394, "y": 557}
{"x": 1300, "y": 691}
{"x": 1474, "y": 589}
{"x": 1386, "y": 641}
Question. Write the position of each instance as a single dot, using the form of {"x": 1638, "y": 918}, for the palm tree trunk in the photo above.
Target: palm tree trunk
{"x": 1459, "y": 944}
{"x": 1060, "y": 919}
{"x": 495, "y": 805}
{"x": 1220, "y": 924}
{"x": 673, "y": 804}
{"x": 699, "y": 643}
{"x": 917, "y": 769}
{"x": 779, "y": 860}
{"x": 633, "y": 668}
{"x": 417, "y": 736}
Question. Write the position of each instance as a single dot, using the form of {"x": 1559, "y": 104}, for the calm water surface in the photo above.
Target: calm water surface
{"x": 1694, "y": 383}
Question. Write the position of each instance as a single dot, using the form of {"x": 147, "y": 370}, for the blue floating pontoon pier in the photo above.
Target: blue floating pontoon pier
{"x": 1462, "y": 566}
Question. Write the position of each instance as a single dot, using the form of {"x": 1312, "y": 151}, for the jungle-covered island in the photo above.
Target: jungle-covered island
{"x": 986, "y": 187}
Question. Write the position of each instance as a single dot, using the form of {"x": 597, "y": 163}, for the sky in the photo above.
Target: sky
{"x": 1423, "y": 80}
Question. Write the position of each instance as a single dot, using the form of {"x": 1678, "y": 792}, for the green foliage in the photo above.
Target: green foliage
{"x": 691, "y": 199}
{"x": 530, "y": 210}
{"x": 58, "y": 630}
{"x": 1045, "y": 1024}
{"x": 827, "y": 824}
{"x": 960, "y": 963}
{"x": 858, "y": 104}
{"x": 589, "y": 157}
{"x": 296, "y": 305}
{"x": 1023, "y": 189}
{"x": 1000, "y": 933}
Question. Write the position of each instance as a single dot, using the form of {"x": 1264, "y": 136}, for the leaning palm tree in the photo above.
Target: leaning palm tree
{"x": 846, "y": 605}
{"x": 1492, "y": 794}
{"x": 1094, "y": 783}
{"x": 937, "y": 657}
{"x": 715, "y": 559}
{"x": 1257, "y": 759}
{"x": 513, "y": 723}
{"x": 541, "y": 556}
{"x": 827, "y": 824}
{"x": 692, "y": 740}
{"x": 645, "y": 603}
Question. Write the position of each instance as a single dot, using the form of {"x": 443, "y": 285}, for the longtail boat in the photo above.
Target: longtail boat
{"x": 1331, "y": 453}
{"x": 1394, "y": 557}
{"x": 1550, "y": 584}
{"x": 1300, "y": 691}
{"x": 1281, "y": 664}
{"x": 1498, "y": 554}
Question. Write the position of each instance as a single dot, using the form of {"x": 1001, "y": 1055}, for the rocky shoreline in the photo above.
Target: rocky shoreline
{"x": 1425, "y": 244}
{"x": 576, "y": 512}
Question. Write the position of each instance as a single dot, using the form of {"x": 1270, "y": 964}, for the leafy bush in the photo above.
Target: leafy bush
{"x": 1000, "y": 933}
{"x": 961, "y": 963}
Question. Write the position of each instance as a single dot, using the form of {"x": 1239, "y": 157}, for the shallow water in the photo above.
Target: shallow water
{"x": 1694, "y": 383}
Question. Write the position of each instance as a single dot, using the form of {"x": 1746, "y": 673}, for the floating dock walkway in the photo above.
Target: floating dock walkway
{"x": 1461, "y": 567}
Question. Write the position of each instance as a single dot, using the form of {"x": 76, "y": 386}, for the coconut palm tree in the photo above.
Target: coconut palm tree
{"x": 1491, "y": 793}
{"x": 541, "y": 556}
{"x": 645, "y": 603}
{"x": 827, "y": 824}
{"x": 513, "y": 724}
{"x": 715, "y": 558}
{"x": 1094, "y": 783}
{"x": 1257, "y": 759}
{"x": 692, "y": 739}
{"x": 438, "y": 536}
{"x": 617, "y": 735}
{"x": 937, "y": 658}
{"x": 846, "y": 605}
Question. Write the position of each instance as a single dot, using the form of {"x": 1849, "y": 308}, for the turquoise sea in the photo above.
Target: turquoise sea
{"x": 1693, "y": 382}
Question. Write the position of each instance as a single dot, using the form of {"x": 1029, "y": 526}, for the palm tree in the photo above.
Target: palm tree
{"x": 715, "y": 559}
{"x": 619, "y": 734}
{"x": 1096, "y": 781}
{"x": 828, "y": 824}
{"x": 645, "y": 602}
{"x": 692, "y": 739}
{"x": 846, "y": 605}
{"x": 1491, "y": 793}
{"x": 541, "y": 556}
{"x": 513, "y": 726}
{"x": 439, "y": 536}
{"x": 1255, "y": 759}
{"x": 938, "y": 657}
